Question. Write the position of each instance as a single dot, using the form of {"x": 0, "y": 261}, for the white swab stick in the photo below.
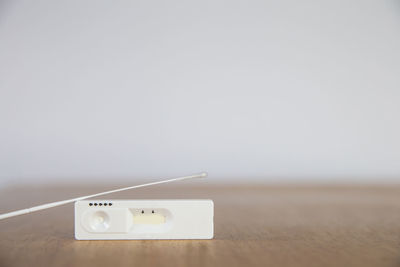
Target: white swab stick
{"x": 63, "y": 202}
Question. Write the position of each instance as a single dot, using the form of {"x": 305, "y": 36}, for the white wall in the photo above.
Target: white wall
{"x": 256, "y": 89}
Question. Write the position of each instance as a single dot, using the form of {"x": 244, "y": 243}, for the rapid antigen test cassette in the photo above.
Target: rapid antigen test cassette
{"x": 144, "y": 219}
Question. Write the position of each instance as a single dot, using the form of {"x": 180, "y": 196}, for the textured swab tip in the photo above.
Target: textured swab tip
{"x": 203, "y": 174}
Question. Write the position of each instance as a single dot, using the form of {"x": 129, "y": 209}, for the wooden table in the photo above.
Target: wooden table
{"x": 255, "y": 225}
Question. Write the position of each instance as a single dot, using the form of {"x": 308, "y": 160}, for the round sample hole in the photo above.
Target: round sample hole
{"x": 100, "y": 221}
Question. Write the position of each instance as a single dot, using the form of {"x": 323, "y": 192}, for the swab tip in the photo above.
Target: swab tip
{"x": 203, "y": 174}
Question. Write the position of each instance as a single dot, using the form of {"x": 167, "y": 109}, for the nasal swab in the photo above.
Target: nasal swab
{"x": 63, "y": 202}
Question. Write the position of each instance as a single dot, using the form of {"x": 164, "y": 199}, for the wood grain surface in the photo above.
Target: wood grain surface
{"x": 255, "y": 225}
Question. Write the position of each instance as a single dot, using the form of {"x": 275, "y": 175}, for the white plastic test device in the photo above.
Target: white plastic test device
{"x": 144, "y": 219}
{"x": 138, "y": 219}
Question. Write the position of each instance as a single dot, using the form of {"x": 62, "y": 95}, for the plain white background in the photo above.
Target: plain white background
{"x": 259, "y": 90}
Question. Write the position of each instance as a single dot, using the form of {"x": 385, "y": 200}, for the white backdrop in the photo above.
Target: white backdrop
{"x": 273, "y": 90}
